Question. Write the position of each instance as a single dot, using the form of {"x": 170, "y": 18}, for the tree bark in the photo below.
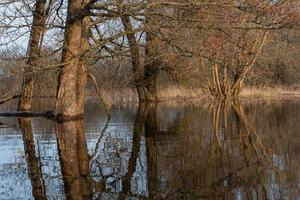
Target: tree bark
{"x": 74, "y": 73}
{"x": 137, "y": 66}
{"x": 150, "y": 82}
{"x": 151, "y": 68}
{"x": 145, "y": 77}
{"x": 38, "y": 26}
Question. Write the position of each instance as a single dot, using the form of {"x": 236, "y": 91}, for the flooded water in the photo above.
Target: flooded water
{"x": 167, "y": 151}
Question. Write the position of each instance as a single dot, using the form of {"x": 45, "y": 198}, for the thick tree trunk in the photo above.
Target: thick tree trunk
{"x": 38, "y": 26}
{"x": 74, "y": 160}
{"x": 151, "y": 68}
{"x": 150, "y": 85}
{"x": 33, "y": 165}
{"x": 74, "y": 73}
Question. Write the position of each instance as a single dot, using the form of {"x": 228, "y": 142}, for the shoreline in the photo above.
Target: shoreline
{"x": 177, "y": 94}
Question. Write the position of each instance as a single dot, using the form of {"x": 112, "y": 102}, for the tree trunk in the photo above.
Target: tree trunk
{"x": 144, "y": 76}
{"x": 151, "y": 68}
{"x": 74, "y": 73}
{"x": 137, "y": 67}
{"x": 150, "y": 85}
{"x": 38, "y": 26}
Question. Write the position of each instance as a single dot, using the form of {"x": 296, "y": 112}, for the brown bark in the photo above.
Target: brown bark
{"x": 33, "y": 165}
{"x": 152, "y": 64}
{"x": 137, "y": 67}
{"x": 74, "y": 73}
{"x": 145, "y": 77}
{"x": 74, "y": 159}
{"x": 150, "y": 82}
{"x": 38, "y": 25}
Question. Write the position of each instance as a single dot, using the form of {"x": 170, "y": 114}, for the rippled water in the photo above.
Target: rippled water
{"x": 167, "y": 151}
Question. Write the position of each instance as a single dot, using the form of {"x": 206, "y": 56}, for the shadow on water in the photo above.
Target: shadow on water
{"x": 221, "y": 150}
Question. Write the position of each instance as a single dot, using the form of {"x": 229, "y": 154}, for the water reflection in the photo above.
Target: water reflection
{"x": 149, "y": 114}
{"x": 33, "y": 164}
{"x": 74, "y": 160}
{"x": 218, "y": 150}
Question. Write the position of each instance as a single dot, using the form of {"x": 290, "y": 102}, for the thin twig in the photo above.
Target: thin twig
{"x": 106, "y": 107}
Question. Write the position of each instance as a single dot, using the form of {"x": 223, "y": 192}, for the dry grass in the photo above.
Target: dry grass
{"x": 180, "y": 93}
{"x": 172, "y": 93}
{"x": 116, "y": 96}
{"x": 273, "y": 93}
{"x": 183, "y": 94}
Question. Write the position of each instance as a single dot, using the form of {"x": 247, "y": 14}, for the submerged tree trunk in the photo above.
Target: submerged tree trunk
{"x": 74, "y": 72}
{"x": 33, "y": 164}
{"x": 74, "y": 160}
{"x": 38, "y": 26}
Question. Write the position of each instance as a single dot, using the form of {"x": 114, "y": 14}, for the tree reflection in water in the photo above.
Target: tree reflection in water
{"x": 33, "y": 164}
{"x": 74, "y": 160}
{"x": 208, "y": 153}
{"x": 227, "y": 160}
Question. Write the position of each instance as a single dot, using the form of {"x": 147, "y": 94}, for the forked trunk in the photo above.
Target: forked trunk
{"x": 144, "y": 76}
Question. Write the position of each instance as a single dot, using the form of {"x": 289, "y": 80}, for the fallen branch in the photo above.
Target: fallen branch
{"x": 9, "y": 98}
{"x": 47, "y": 114}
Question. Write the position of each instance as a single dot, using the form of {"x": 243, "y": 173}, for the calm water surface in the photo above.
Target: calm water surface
{"x": 167, "y": 151}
